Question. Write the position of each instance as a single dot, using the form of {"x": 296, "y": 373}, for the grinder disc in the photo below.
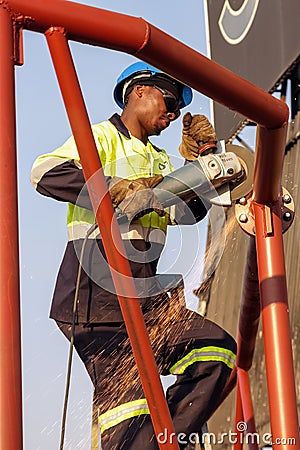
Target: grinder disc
{"x": 246, "y": 157}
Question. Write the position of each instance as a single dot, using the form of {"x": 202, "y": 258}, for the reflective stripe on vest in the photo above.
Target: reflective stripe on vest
{"x": 123, "y": 412}
{"x": 209, "y": 353}
{"x": 78, "y": 230}
{"x": 151, "y": 227}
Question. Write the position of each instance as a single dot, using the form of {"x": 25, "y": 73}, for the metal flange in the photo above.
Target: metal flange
{"x": 245, "y": 218}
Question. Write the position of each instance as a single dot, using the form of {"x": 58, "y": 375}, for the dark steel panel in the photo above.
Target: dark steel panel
{"x": 269, "y": 46}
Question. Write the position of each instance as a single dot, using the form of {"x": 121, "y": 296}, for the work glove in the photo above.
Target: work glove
{"x": 196, "y": 131}
{"x": 135, "y": 197}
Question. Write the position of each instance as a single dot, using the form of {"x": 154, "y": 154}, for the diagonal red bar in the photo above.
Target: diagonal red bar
{"x": 136, "y": 36}
{"x": 10, "y": 339}
{"x": 239, "y": 420}
{"x": 275, "y": 321}
{"x": 111, "y": 237}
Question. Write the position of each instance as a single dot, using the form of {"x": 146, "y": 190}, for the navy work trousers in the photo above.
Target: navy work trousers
{"x": 197, "y": 351}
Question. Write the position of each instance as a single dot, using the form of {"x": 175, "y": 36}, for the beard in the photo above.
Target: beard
{"x": 157, "y": 130}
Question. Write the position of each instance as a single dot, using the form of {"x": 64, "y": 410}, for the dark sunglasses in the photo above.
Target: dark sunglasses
{"x": 170, "y": 100}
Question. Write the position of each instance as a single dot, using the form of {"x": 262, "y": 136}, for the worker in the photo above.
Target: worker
{"x": 198, "y": 352}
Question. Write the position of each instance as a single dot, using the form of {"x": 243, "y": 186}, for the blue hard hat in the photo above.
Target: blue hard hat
{"x": 185, "y": 92}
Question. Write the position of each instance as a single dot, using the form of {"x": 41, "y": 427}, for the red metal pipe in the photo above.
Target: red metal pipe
{"x": 113, "y": 245}
{"x": 10, "y": 340}
{"x": 252, "y": 439}
{"x": 268, "y": 165}
{"x": 239, "y": 419}
{"x": 84, "y": 23}
{"x": 213, "y": 80}
{"x": 275, "y": 321}
{"x": 136, "y": 36}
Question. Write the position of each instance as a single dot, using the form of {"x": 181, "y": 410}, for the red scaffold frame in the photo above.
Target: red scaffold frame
{"x": 115, "y": 31}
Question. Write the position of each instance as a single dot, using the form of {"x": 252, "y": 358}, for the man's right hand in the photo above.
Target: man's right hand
{"x": 135, "y": 197}
{"x": 196, "y": 131}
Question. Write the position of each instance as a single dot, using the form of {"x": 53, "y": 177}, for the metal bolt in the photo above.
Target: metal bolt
{"x": 243, "y": 218}
{"x": 212, "y": 164}
{"x": 286, "y": 198}
{"x": 287, "y": 216}
{"x": 230, "y": 171}
{"x": 243, "y": 201}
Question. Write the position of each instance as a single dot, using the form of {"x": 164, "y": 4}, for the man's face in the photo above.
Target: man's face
{"x": 154, "y": 115}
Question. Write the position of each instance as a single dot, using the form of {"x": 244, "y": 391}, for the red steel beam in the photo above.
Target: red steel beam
{"x": 238, "y": 437}
{"x": 112, "y": 242}
{"x": 10, "y": 339}
{"x": 249, "y": 423}
{"x": 270, "y": 145}
{"x": 275, "y": 321}
{"x": 140, "y": 38}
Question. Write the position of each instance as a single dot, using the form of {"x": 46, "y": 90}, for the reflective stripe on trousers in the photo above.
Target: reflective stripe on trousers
{"x": 135, "y": 408}
{"x": 123, "y": 412}
{"x": 209, "y": 353}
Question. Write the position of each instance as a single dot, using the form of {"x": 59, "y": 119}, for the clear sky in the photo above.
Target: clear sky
{"x": 42, "y": 126}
